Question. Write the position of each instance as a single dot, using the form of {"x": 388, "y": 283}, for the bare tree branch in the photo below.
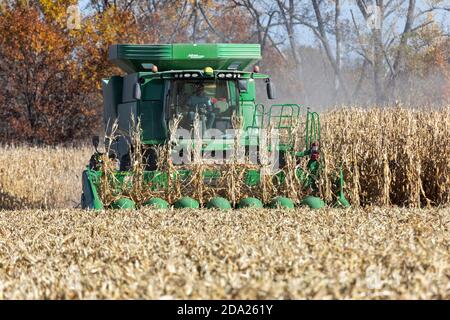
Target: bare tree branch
{"x": 222, "y": 36}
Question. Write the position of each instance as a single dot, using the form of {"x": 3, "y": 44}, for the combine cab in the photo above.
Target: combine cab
{"x": 210, "y": 88}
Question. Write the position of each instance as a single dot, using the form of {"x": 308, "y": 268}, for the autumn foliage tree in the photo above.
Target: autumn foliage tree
{"x": 53, "y": 73}
{"x": 42, "y": 101}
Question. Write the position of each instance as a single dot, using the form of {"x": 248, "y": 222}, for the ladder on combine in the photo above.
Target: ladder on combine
{"x": 285, "y": 118}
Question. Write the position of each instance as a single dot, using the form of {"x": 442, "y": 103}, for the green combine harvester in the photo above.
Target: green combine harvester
{"x": 210, "y": 84}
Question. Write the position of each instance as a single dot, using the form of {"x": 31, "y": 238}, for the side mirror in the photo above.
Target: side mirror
{"x": 95, "y": 142}
{"x": 137, "y": 91}
{"x": 243, "y": 85}
{"x": 270, "y": 90}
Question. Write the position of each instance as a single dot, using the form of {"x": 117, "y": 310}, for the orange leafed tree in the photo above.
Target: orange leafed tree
{"x": 42, "y": 103}
{"x": 53, "y": 73}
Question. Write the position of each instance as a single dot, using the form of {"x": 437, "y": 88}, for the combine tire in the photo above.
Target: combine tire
{"x": 157, "y": 203}
{"x": 250, "y": 203}
{"x": 218, "y": 203}
{"x": 123, "y": 203}
{"x": 186, "y": 202}
{"x": 313, "y": 202}
{"x": 281, "y": 203}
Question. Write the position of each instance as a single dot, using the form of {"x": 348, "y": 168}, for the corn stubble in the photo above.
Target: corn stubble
{"x": 371, "y": 253}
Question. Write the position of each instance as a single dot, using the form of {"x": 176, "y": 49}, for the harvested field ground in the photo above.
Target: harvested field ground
{"x": 372, "y": 253}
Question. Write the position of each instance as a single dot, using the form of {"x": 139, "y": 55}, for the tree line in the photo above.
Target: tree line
{"x": 321, "y": 53}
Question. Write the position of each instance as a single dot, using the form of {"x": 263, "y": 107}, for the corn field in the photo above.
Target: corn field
{"x": 32, "y": 177}
{"x": 394, "y": 156}
{"x": 393, "y": 243}
{"x": 391, "y": 156}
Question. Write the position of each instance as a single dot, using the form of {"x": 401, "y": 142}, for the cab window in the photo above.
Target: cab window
{"x": 213, "y": 100}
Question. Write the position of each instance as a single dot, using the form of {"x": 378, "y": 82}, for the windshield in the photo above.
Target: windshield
{"x": 215, "y": 101}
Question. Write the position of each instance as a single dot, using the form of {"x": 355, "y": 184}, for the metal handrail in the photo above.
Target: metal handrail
{"x": 312, "y": 128}
{"x": 255, "y": 116}
{"x": 294, "y": 113}
{"x": 291, "y": 113}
